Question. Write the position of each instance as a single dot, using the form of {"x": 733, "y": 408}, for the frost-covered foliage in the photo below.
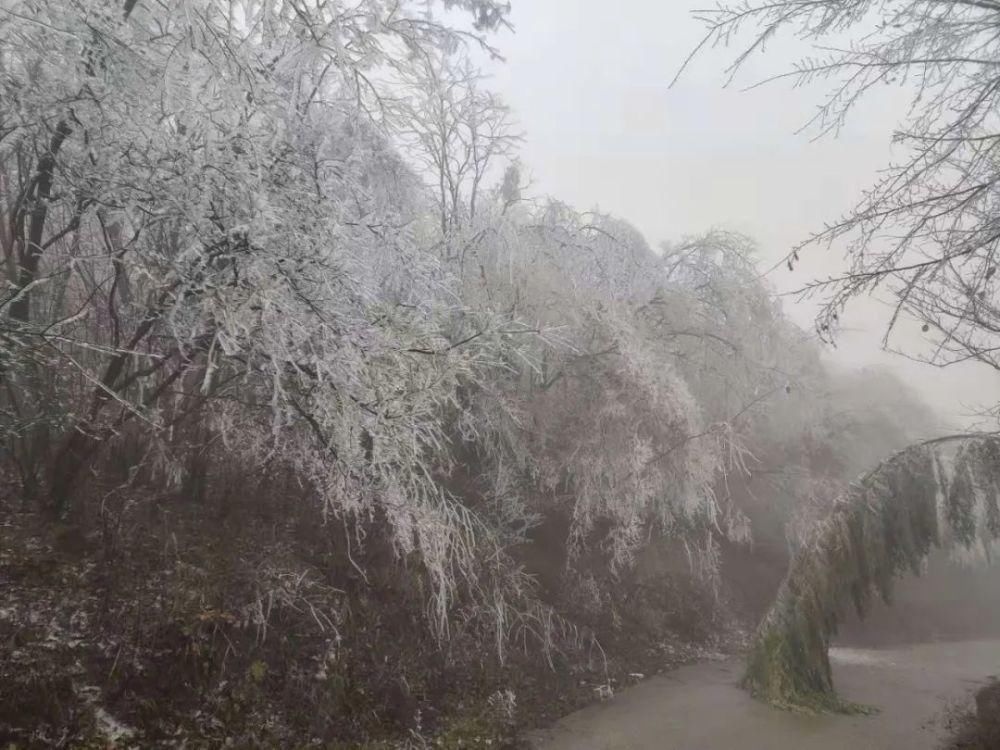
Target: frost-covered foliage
{"x": 294, "y": 236}
{"x": 944, "y": 492}
{"x": 640, "y": 387}
{"x": 641, "y": 394}
{"x": 205, "y": 222}
{"x": 926, "y": 230}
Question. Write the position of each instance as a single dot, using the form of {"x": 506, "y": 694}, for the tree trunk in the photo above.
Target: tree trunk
{"x": 30, "y": 250}
{"x": 69, "y": 461}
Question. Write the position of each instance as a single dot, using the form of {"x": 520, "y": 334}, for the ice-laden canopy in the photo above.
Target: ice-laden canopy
{"x": 940, "y": 493}
{"x": 209, "y": 227}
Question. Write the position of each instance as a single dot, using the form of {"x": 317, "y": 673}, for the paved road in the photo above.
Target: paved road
{"x": 700, "y": 708}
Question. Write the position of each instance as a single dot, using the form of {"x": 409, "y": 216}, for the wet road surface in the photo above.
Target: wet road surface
{"x": 700, "y": 707}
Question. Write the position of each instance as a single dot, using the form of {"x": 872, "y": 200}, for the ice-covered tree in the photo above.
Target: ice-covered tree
{"x": 941, "y": 493}
{"x": 926, "y": 232}
{"x": 204, "y": 223}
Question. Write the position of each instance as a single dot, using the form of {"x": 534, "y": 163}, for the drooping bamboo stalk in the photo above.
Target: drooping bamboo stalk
{"x": 939, "y": 493}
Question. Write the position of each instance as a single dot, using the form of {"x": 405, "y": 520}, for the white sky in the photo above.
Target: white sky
{"x": 589, "y": 83}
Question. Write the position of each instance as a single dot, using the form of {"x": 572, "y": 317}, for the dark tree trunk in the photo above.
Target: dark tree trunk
{"x": 77, "y": 449}
{"x": 30, "y": 250}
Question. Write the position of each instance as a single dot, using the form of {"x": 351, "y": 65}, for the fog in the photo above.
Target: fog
{"x": 590, "y": 84}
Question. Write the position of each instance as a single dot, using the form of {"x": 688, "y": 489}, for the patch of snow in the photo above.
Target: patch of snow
{"x": 110, "y": 727}
{"x": 604, "y": 691}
